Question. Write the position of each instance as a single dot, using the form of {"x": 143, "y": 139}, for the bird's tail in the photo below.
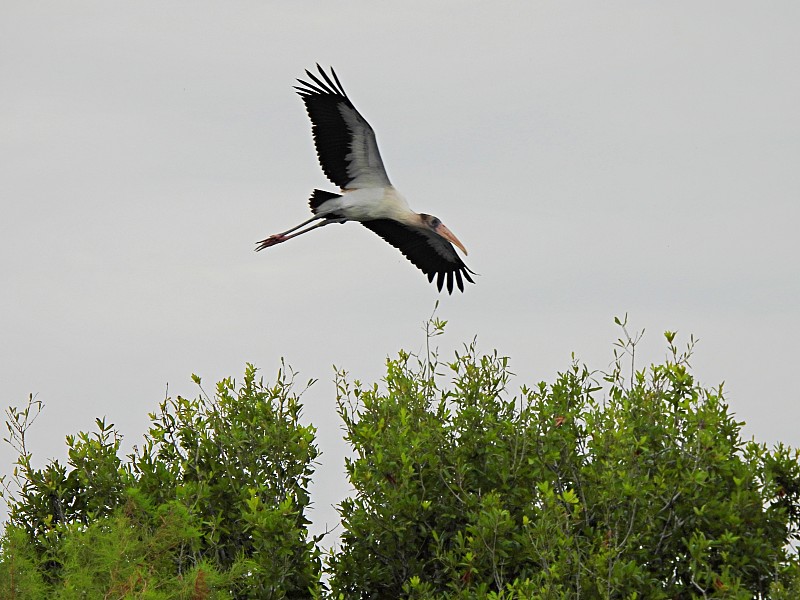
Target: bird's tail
{"x": 318, "y": 197}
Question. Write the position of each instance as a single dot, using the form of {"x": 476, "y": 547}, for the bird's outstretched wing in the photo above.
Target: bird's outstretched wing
{"x": 432, "y": 254}
{"x": 346, "y": 146}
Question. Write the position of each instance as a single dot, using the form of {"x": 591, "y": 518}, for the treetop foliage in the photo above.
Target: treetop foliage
{"x": 213, "y": 505}
{"x": 620, "y": 484}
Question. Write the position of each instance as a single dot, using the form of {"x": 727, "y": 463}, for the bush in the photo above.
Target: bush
{"x": 466, "y": 492}
{"x": 212, "y": 506}
{"x": 598, "y": 485}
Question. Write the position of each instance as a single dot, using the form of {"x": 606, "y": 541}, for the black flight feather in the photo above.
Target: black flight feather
{"x": 336, "y": 137}
{"x": 429, "y": 252}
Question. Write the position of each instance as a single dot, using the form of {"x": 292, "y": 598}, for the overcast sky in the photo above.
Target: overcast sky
{"x": 596, "y": 159}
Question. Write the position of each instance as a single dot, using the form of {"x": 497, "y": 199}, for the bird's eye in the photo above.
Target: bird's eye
{"x": 435, "y": 222}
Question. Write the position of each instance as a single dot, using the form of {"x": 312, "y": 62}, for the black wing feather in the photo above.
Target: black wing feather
{"x": 429, "y": 252}
{"x": 345, "y": 142}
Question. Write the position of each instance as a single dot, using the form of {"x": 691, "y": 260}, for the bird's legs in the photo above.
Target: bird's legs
{"x": 287, "y": 235}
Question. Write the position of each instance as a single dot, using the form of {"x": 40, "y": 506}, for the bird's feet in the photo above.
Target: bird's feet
{"x": 271, "y": 241}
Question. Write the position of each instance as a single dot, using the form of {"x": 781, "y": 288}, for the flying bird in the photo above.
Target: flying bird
{"x": 349, "y": 157}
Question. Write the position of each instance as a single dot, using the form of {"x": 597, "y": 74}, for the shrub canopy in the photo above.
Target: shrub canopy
{"x": 626, "y": 484}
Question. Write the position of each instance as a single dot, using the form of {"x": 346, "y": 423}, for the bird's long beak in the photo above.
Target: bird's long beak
{"x": 448, "y": 235}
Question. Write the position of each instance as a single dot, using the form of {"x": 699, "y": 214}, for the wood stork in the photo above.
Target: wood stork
{"x": 348, "y": 154}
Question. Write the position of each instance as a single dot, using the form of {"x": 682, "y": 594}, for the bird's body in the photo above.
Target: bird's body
{"x": 348, "y": 154}
{"x": 366, "y": 204}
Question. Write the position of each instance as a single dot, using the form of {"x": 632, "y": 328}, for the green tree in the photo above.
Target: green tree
{"x": 213, "y": 505}
{"x": 626, "y": 484}
{"x": 633, "y": 487}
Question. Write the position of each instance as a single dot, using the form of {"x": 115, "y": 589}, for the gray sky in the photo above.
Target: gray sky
{"x": 594, "y": 158}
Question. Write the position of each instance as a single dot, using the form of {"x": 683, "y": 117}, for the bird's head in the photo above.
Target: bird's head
{"x": 435, "y": 225}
